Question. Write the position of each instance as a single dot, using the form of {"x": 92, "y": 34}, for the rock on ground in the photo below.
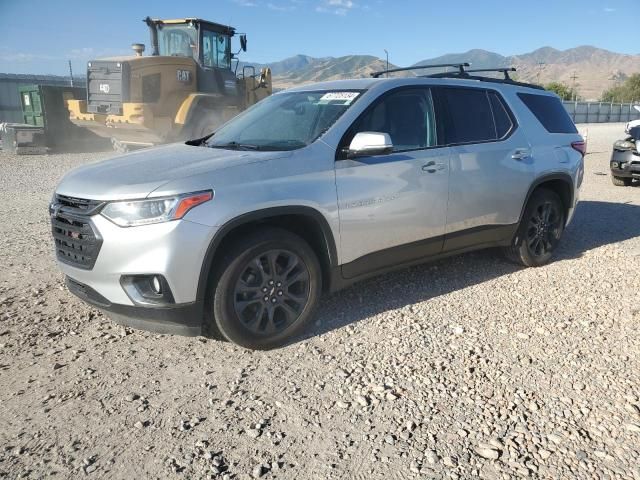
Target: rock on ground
{"x": 469, "y": 367}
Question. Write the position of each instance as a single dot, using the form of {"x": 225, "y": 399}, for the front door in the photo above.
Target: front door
{"x": 393, "y": 207}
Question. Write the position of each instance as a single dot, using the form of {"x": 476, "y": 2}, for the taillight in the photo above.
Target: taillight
{"x": 580, "y": 146}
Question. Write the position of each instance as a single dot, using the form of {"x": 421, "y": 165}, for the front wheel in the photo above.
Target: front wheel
{"x": 267, "y": 289}
{"x": 540, "y": 230}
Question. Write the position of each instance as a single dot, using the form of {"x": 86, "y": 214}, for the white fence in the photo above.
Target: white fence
{"x": 601, "y": 112}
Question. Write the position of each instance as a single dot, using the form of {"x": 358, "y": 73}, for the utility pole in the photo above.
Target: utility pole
{"x": 70, "y": 73}
{"x": 387, "y": 54}
{"x": 541, "y": 66}
{"x": 574, "y": 77}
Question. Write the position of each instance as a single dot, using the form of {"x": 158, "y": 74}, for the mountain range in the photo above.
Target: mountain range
{"x": 595, "y": 69}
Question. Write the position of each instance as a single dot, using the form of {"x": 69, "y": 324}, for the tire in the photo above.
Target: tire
{"x": 267, "y": 289}
{"x": 540, "y": 230}
{"x": 203, "y": 122}
{"x": 621, "y": 181}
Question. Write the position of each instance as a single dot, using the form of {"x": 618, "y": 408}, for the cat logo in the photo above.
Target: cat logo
{"x": 104, "y": 87}
{"x": 183, "y": 76}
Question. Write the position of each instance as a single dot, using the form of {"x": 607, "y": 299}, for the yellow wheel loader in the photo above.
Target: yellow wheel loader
{"x": 185, "y": 89}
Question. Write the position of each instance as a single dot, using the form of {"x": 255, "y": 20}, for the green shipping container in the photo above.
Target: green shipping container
{"x": 45, "y": 106}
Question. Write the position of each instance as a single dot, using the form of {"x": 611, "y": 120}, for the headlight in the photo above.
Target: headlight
{"x": 132, "y": 213}
{"x": 623, "y": 145}
{"x": 614, "y": 164}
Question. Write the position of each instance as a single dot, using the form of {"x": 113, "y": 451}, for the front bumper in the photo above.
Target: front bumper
{"x": 182, "y": 319}
{"x": 174, "y": 250}
{"x": 625, "y": 164}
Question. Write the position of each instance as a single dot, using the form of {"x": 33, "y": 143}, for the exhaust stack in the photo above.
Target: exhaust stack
{"x": 138, "y": 48}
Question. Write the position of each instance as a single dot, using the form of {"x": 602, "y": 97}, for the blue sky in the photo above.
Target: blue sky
{"x": 39, "y": 36}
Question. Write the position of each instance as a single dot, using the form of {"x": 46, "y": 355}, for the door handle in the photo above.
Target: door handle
{"x": 432, "y": 167}
{"x": 521, "y": 154}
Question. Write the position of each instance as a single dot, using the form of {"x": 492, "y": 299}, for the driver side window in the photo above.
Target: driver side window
{"x": 406, "y": 115}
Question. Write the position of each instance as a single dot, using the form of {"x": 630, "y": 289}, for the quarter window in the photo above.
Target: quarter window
{"x": 504, "y": 124}
{"x": 470, "y": 115}
{"x": 549, "y": 112}
{"x": 407, "y": 116}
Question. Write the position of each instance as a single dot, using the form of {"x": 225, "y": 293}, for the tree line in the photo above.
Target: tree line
{"x": 627, "y": 92}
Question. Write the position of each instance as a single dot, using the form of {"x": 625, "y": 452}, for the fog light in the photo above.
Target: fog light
{"x": 614, "y": 164}
{"x": 152, "y": 289}
{"x": 157, "y": 287}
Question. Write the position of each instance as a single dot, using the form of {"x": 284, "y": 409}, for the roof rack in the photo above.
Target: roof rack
{"x": 459, "y": 66}
{"x": 504, "y": 71}
{"x": 465, "y": 74}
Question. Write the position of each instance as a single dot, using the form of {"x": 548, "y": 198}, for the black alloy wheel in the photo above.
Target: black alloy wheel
{"x": 265, "y": 289}
{"x": 271, "y": 292}
{"x": 544, "y": 229}
{"x": 540, "y": 230}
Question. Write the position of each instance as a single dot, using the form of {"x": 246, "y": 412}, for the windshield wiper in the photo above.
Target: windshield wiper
{"x": 235, "y": 146}
{"x": 283, "y": 145}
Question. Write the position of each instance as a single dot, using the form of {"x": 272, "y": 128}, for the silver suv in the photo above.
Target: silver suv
{"x": 236, "y": 235}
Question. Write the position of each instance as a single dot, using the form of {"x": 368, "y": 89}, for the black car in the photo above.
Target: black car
{"x": 625, "y": 159}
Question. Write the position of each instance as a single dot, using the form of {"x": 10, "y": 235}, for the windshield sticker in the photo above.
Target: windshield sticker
{"x": 341, "y": 98}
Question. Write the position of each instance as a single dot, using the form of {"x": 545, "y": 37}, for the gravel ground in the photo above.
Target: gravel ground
{"x": 468, "y": 367}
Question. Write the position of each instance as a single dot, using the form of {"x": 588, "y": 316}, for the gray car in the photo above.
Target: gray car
{"x": 236, "y": 235}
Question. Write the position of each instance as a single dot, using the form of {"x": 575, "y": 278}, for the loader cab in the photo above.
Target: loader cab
{"x": 208, "y": 43}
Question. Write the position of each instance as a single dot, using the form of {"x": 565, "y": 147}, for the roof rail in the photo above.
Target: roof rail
{"x": 459, "y": 66}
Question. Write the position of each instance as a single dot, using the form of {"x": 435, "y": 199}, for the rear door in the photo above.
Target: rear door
{"x": 392, "y": 207}
{"x": 491, "y": 166}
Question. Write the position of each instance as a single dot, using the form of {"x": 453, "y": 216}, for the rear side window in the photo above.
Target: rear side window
{"x": 504, "y": 124}
{"x": 550, "y": 112}
{"x": 470, "y": 116}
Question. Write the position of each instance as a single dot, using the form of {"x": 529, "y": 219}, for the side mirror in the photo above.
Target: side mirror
{"x": 366, "y": 144}
{"x": 243, "y": 42}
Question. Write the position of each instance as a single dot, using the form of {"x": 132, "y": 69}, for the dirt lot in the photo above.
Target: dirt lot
{"x": 469, "y": 367}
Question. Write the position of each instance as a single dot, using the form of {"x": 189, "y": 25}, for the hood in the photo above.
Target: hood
{"x": 137, "y": 174}
{"x": 630, "y": 125}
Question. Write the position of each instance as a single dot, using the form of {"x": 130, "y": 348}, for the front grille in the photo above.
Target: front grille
{"x": 76, "y": 240}
{"x": 107, "y": 87}
{"x": 78, "y": 206}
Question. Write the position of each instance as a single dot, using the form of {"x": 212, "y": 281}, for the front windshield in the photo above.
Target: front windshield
{"x": 285, "y": 121}
{"x": 178, "y": 41}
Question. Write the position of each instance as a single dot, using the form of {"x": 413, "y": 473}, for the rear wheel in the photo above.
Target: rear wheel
{"x": 267, "y": 290}
{"x": 621, "y": 181}
{"x": 540, "y": 230}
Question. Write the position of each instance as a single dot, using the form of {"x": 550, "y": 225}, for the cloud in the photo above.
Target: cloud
{"x": 76, "y": 54}
{"x": 275, "y": 5}
{"x": 609, "y": 9}
{"x": 280, "y": 7}
{"x": 337, "y": 7}
{"x": 23, "y": 57}
{"x": 90, "y": 52}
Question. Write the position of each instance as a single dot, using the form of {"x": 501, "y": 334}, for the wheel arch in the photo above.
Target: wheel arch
{"x": 560, "y": 183}
{"x": 192, "y": 104}
{"x": 306, "y": 222}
